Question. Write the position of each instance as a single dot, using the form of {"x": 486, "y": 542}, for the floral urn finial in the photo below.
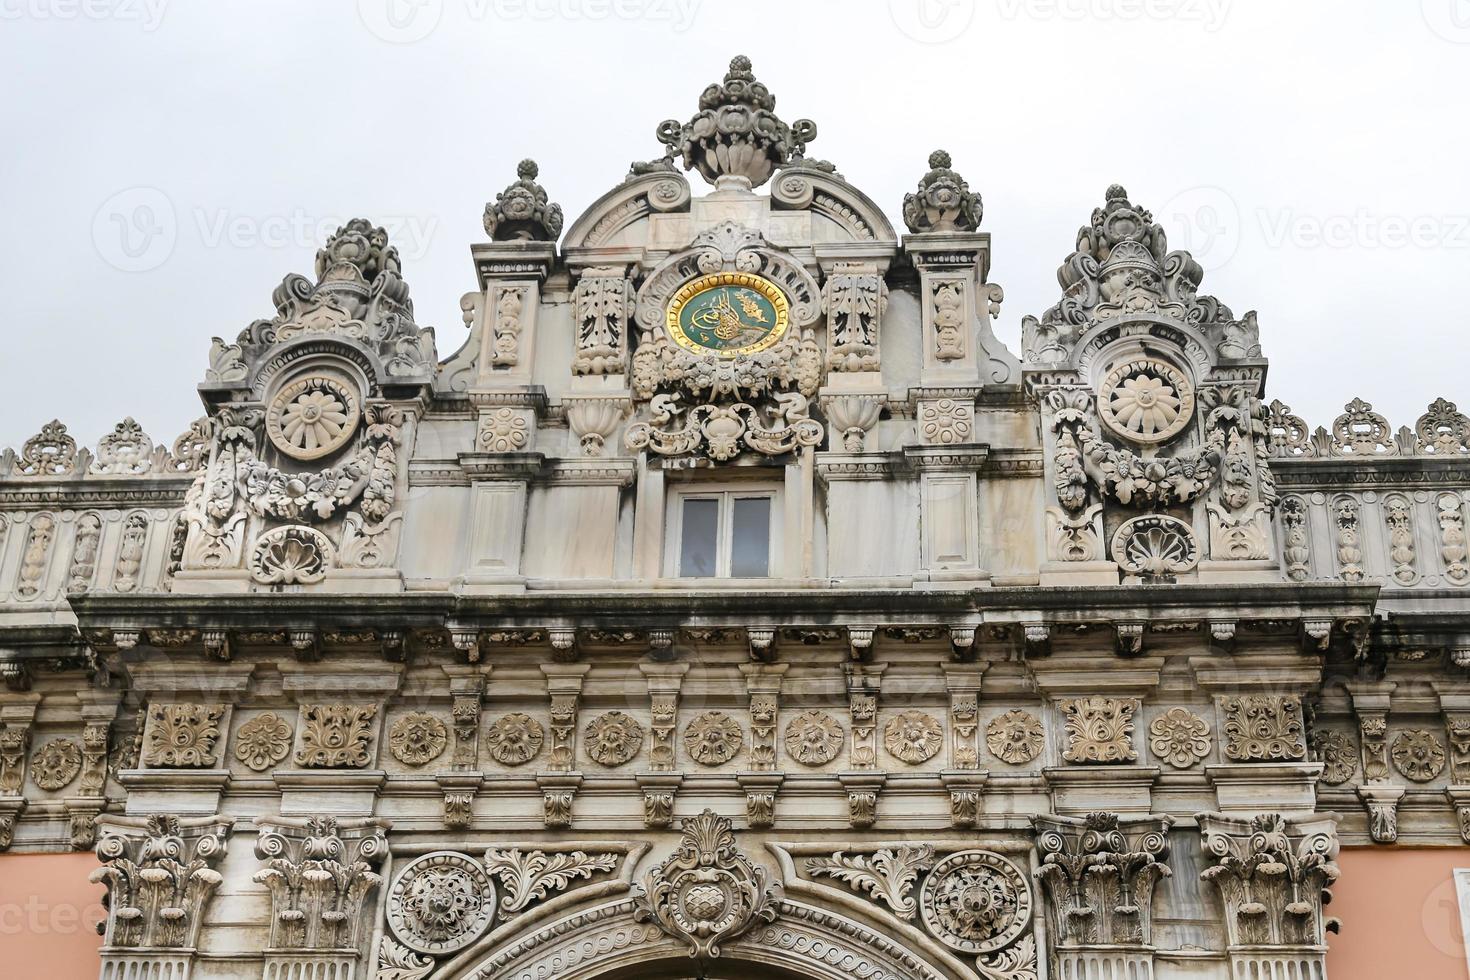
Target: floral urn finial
{"x": 944, "y": 202}
{"x": 522, "y": 212}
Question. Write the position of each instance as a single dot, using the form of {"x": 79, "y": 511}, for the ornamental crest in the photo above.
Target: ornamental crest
{"x": 707, "y": 892}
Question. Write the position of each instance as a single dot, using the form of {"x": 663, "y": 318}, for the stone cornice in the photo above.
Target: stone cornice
{"x": 1370, "y": 472}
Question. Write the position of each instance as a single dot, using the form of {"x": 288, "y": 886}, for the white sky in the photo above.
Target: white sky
{"x": 1312, "y": 153}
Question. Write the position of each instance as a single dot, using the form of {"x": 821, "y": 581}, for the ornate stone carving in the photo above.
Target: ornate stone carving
{"x": 515, "y": 739}
{"x": 503, "y": 430}
{"x": 888, "y": 875}
{"x": 36, "y": 556}
{"x": 854, "y": 299}
{"x": 976, "y": 902}
{"x": 417, "y": 739}
{"x": 1349, "y": 548}
{"x": 440, "y": 903}
{"x": 1015, "y": 737}
{"x": 713, "y": 738}
{"x": 1099, "y": 873}
{"x": 946, "y": 421}
{"x": 1398, "y": 515}
{"x": 736, "y": 132}
{"x": 1099, "y": 729}
{"x": 292, "y": 555}
{"x": 398, "y": 962}
{"x": 813, "y": 738}
{"x": 604, "y": 311}
{"x": 1074, "y": 538}
{"x": 50, "y": 452}
{"x": 523, "y": 212}
{"x": 84, "y": 553}
{"x": 613, "y": 738}
{"x": 1145, "y": 400}
{"x": 1418, "y": 754}
{"x": 1452, "y": 546}
{"x": 159, "y": 875}
{"x": 1155, "y": 546}
{"x": 723, "y": 431}
{"x": 313, "y": 417}
{"x": 707, "y": 892}
{"x": 321, "y": 875}
{"x": 55, "y": 764}
{"x": 182, "y": 736}
{"x": 1338, "y": 755}
{"x": 1263, "y": 728}
{"x": 947, "y": 302}
{"x": 125, "y": 451}
{"x": 913, "y": 737}
{"x": 944, "y": 201}
{"x": 1360, "y": 431}
{"x": 529, "y": 876}
{"x": 1179, "y": 737}
{"x": 1273, "y": 876}
{"x": 263, "y": 742}
{"x": 14, "y": 740}
{"x": 1443, "y": 430}
{"x": 337, "y": 736}
{"x": 130, "y": 553}
{"x": 1296, "y": 547}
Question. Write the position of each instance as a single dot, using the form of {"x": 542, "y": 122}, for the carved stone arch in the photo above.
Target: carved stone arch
{"x": 606, "y": 942}
{"x": 290, "y": 358}
{"x": 1098, "y": 345}
{"x": 626, "y": 204}
{"x": 822, "y": 193}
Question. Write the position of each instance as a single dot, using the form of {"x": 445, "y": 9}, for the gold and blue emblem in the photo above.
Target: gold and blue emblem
{"x": 728, "y": 313}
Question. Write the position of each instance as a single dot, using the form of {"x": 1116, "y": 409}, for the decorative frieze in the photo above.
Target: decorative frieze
{"x": 1099, "y": 729}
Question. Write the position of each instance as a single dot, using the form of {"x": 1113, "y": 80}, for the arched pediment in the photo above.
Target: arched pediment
{"x": 800, "y": 188}
{"x": 629, "y": 202}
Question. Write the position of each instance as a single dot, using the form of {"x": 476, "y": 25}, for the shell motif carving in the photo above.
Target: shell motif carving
{"x": 292, "y": 555}
{"x": 1154, "y": 546}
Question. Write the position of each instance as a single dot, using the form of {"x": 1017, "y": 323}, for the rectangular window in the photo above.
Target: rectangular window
{"x": 722, "y": 533}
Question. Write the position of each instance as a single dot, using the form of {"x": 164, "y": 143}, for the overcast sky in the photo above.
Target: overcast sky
{"x": 166, "y": 162}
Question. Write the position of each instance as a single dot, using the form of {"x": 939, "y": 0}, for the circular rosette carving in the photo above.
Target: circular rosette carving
{"x": 515, "y": 739}
{"x": 613, "y": 738}
{"x": 976, "y": 902}
{"x": 813, "y": 738}
{"x": 1418, "y": 754}
{"x": 417, "y": 739}
{"x": 1179, "y": 737}
{"x": 913, "y": 737}
{"x": 441, "y": 902}
{"x": 55, "y": 764}
{"x": 292, "y": 555}
{"x": 713, "y": 738}
{"x": 1145, "y": 400}
{"x": 1338, "y": 755}
{"x": 263, "y": 741}
{"x": 312, "y": 417}
{"x": 1155, "y": 545}
{"x": 1015, "y": 737}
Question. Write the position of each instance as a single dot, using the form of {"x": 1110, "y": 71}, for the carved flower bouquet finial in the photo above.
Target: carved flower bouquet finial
{"x": 944, "y": 201}
{"x": 523, "y": 212}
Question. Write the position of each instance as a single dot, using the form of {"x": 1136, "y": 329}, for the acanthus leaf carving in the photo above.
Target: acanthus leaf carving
{"x": 320, "y": 872}
{"x": 160, "y": 876}
{"x": 1273, "y": 875}
{"x": 888, "y": 874}
{"x": 529, "y": 876}
{"x": 1099, "y": 873}
{"x": 1099, "y": 729}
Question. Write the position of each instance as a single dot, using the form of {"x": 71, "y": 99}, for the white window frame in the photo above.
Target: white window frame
{"x": 726, "y": 494}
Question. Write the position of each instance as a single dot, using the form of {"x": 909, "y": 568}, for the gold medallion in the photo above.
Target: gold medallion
{"x": 727, "y": 314}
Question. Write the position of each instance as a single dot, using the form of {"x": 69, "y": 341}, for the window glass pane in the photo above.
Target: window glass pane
{"x": 698, "y": 535}
{"x": 750, "y": 537}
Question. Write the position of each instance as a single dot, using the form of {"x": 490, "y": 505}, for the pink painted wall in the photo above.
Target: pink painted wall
{"x": 48, "y": 916}
{"x": 1399, "y": 915}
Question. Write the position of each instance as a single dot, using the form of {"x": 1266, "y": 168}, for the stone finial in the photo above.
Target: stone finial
{"x": 356, "y": 252}
{"x": 944, "y": 201}
{"x": 736, "y": 132}
{"x": 522, "y": 212}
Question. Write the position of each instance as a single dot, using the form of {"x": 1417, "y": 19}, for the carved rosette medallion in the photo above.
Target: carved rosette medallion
{"x": 441, "y": 903}
{"x": 291, "y": 555}
{"x": 713, "y": 738}
{"x": 613, "y": 738}
{"x": 1155, "y": 545}
{"x": 1338, "y": 755}
{"x": 263, "y": 741}
{"x": 813, "y": 738}
{"x": 1179, "y": 737}
{"x": 1015, "y": 737}
{"x": 707, "y": 892}
{"x": 913, "y": 737}
{"x": 976, "y": 902}
{"x": 1418, "y": 754}
{"x": 312, "y": 417}
{"x": 1145, "y": 400}
{"x": 515, "y": 739}
{"x": 55, "y": 764}
{"x": 417, "y": 739}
